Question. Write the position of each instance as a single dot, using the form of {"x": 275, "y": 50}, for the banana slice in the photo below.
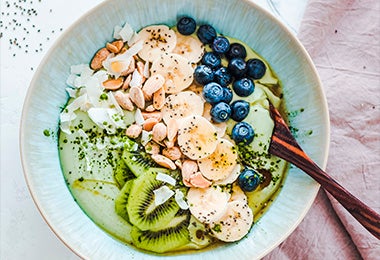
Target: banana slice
{"x": 189, "y": 47}
{"x": 197, "y": 137}
{"x": 231, "y": 177}
{"x": 209, "y": 204}
{"x": 181, "y": 105}
{"x": 220, "y": 127}
{"x": 177, "y": 71}
{"x": 157, "y": 40}
{"x": 220, "y": 164}
{"x": 235, "y": 223}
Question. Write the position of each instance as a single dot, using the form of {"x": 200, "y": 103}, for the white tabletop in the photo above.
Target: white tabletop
{"x": 28, "y": 29}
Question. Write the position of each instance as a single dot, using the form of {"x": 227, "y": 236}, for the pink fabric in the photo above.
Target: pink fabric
{"x": 343, "y": 39}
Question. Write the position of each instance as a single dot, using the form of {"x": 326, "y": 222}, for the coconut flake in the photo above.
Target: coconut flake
{"x": 146, "y": 73}
{"x": 145, "y": 137}
{"x": 162, "y": 194}
{"x": 136, "y": 80}
{"x": 116, "y": 32}
{"x": 179, "y": 198}
{"x": 126, "y": 33}
{"x": 165, "y": 178}
{"x": 139, "y": 119}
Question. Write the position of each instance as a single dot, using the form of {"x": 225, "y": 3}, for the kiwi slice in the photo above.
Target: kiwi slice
{"x": 138, "y": 161}
{"x": 122, "y": 200}
{"x": 142, "y": 211}
{"x": 173, "y": 236}
{"x": 199, "y": 234}
{"x": 122, "y": 173}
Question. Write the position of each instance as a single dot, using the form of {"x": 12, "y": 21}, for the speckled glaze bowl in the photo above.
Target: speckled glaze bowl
{"x": 240, "y": 19}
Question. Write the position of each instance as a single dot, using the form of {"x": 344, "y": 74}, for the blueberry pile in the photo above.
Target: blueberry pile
{"x": 218, "y": 80}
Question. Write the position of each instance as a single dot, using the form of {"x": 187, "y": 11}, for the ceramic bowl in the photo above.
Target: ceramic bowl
{"x": 240, "y": 19}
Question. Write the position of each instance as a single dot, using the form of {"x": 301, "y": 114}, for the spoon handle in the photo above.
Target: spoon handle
{"x": 285, "y": 146}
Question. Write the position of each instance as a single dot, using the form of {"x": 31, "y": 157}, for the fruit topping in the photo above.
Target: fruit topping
{"x": 243, "y": 133}
{"x": 213, "y": 93}
{"x": 236, "y": 50}
{"x": 248, "y": 180}
{"x": 212, "y": 60}
{"x": 206, "y": 33}
{"x": 237, "y": 67}
{"x": 220, "y": 45}
{"x": 256, "y": 68}
{"x": 220, "y": 112}
{"x": 243, "y": 87}
{"x": 239, "y": 110}
{"x": 203, "y": 74}
{"x": 186, "y": 25}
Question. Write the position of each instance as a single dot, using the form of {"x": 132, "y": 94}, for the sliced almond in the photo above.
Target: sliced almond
{"x": 123, "y": 100}
{"x": 156, "y": 114}
{"x": 126, "y": 82}
{"x": 152, "y": 148}
{"x": 137, "y": 97}
{"x": 164, "y": 161}
{"x": 113, "y": 84}
{"x": 153, "y": 84}
{"x": 150, "y": 108}
{"x": 115, "y": 47}
{"x": 149, "y": 124}
{"x": 159, "y": 132}
{"x": 172, "y": 129}
{"x": 159, "y": 99}
{"x": 133, "y": 131}
{"x": 173, "y": 153}
{"x": 99, "y": 57}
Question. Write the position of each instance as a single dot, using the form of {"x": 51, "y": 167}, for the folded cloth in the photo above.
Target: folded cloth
{"x": 343, "y": 39}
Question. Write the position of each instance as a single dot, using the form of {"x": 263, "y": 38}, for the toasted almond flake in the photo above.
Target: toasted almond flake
{"x": 159, "y": 132}
{"x": 172, "y": 129}
{"x": 133, "y": 131}
{"x": 123, "y": 100}
{"x": 153, "y": 84}
{"x": 97, "y": 60}
{"x": 126, "y": 82}
{"x": 164, "y": 161}
{"x": 150, "y": 108}
{"x": 157, "y": 115}
{"x": 159, "y": 99}
{"x": 173, "y": 153}
{"x": 137, "y": 97}
{"x": 130, "y": 69}
{"x": 113, "y": 84}
{"x": 152, "y": 148}
{"x": 149, "y": 124}
{"x": 166, "y": 178}
{"x": 162, "y": 194}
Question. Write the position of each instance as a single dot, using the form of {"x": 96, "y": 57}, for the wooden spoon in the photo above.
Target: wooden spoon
{"x": 284, "y": 145}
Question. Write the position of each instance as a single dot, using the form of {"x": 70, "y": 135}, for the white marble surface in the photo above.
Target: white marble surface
{"x": 28, "y": 29}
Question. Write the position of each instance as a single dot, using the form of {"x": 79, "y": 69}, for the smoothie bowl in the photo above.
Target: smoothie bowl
{"x": 145, "y": 135}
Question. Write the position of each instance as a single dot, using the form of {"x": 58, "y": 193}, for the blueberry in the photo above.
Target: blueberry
{"x": 256, "y": 68}
{"x": 206, "y": 33}
{"x": 203, "y": 74}
{"x": 242, "y": 132}
{"x": 213, "y": 92}
{"x": 186, "y": 25}
{"x": 248, "y": 180}
{"x": 243, "y": 87}
{"x": 220, "y": 112}
{"x": 236, "y": 50}
{"x": 227, "y": 95}
{"x": 239, "y": 110}
{"x": 220, "y": 45}
{"x": 212, "y": 60}
{"x": 222, "y": 76}
{"x": 237, "y": 67}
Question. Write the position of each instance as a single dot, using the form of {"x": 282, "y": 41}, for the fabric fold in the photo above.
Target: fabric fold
{"x": 343, "y": 39}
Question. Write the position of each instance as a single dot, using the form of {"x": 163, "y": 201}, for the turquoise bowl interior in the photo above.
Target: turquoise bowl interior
{"x": 240, "y": 19}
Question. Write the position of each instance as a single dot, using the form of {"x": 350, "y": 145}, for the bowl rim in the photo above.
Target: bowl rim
{"x": 27, "y": 174}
